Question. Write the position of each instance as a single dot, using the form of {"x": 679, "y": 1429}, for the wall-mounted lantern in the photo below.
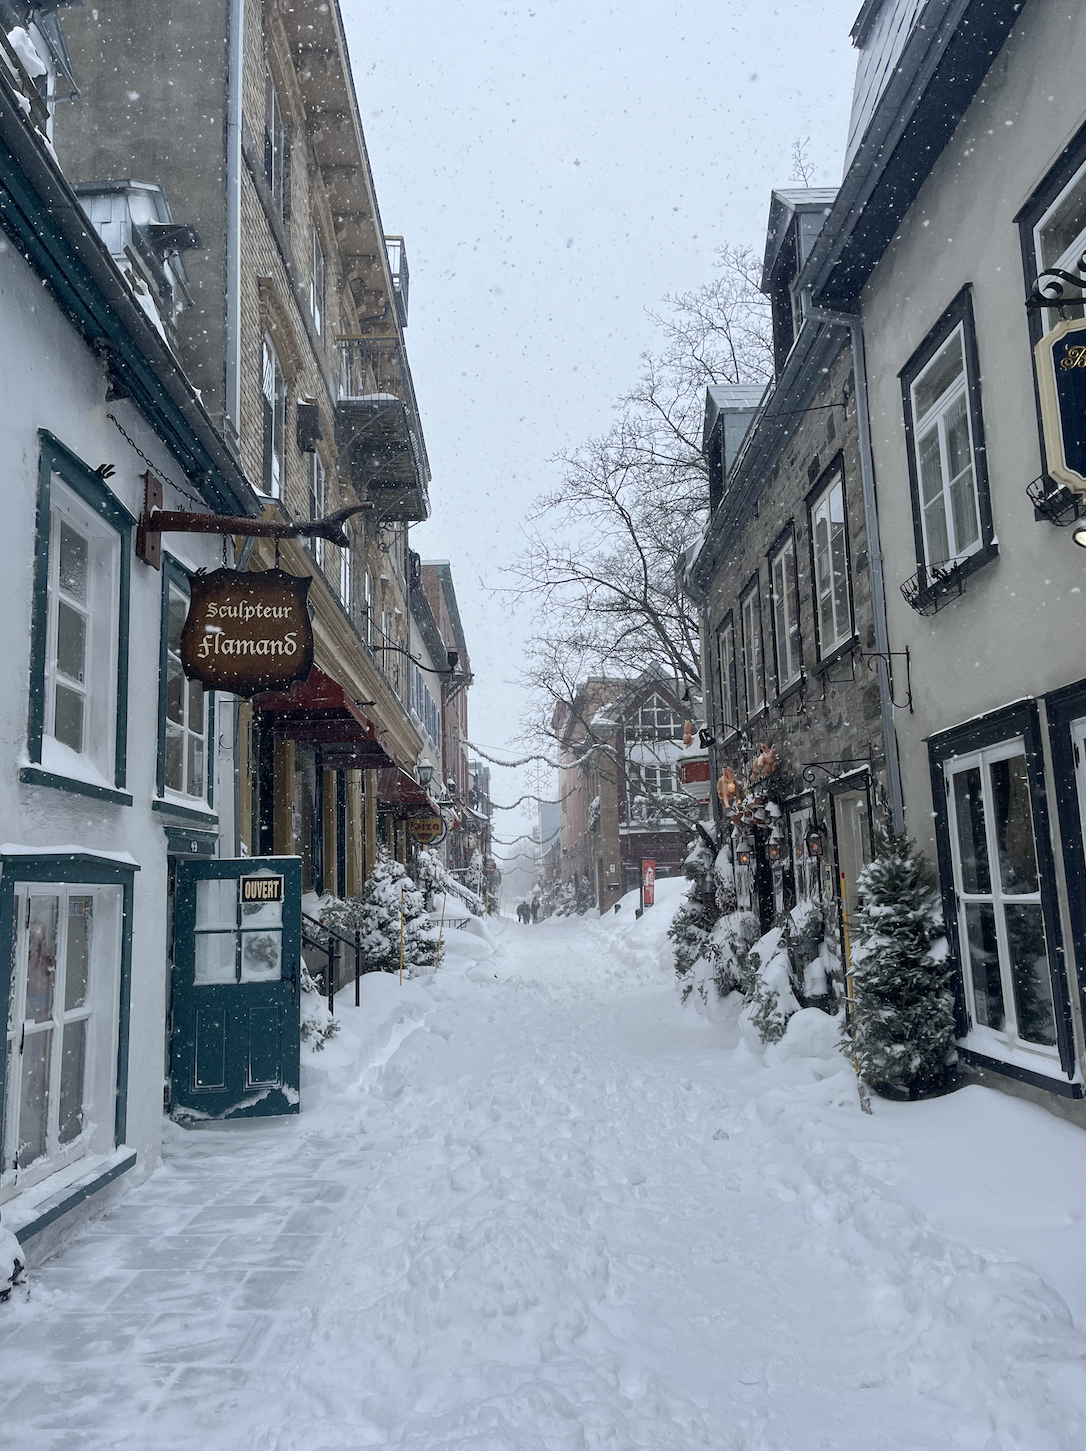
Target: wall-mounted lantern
{"x": 742, "y": 854}
{"x": 426, "y": 771}
{"x": 814, "y": 843}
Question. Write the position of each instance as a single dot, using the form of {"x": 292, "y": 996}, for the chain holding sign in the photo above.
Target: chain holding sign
{"x": 247, "y": 632}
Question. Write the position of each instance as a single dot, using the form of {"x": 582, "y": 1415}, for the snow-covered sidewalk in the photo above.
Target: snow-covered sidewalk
{"x": 532, "y": 1204}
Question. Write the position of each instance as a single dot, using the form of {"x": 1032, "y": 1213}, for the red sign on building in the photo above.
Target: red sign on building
{"x": 648, "y": 882}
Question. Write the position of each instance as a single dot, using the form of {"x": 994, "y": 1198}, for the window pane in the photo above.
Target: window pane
{"x": 931, "y": 467}
{"x": 71, "y": 642}
{"x": 68, "y": 718}
{"x": 34, "y": 1097}
{"x": 842, "y": 614}
{"x": 175, "y": 756}
{"x": 1066, "y": 224}
{"x": 195, "y": 785}
{"x": 216, "y": 904}
{"x": 73, "y": 563}
{"x": 77, "y": 957}
{"x": 972, "y": 842}
{"x": 215, "y": 953}
{"x": 1014, "y": 825}
{"x": 1030, "y": 975}
{"x": 41, "y": 958}
{"x": 178, "y": 610}
{"x": 940, "y": 375}
{"x": 984, "y": 965}
{"x": 175, "y": 691}
{"x": 72, "y": 1073}
{"x": 196, "y": 707}
{"x": 963, "y": 503}
{"x": 261, "y": 956}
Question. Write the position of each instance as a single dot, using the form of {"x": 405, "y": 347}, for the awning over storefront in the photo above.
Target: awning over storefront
{"x": 320, "y": 711}
{"x": 395, "y": 788}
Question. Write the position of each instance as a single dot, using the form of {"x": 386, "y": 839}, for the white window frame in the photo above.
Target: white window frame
{"x": 99, "y": 1012}
{"x": 189, "y": 733}
{"x": 840, "y": 626}
{"x": 646, "y": 724}
{"x": 346, "y": 592}
{"x": 318, "y": 491}
{"x": 750, "y": 619}
{"x": 934, "y": 420}
{"x": 1068, "y": 260}
{"x": 784, "y": 609}
{"x": 1005, "y": 1042}
{"x": 369, "y": 609}
{"x": 276, "y": 146}
{"x": 274, "y": 391}
{"x": 729, "y": 677}
{"x": 101, "y": 613}
{"x": 317, "y": 281}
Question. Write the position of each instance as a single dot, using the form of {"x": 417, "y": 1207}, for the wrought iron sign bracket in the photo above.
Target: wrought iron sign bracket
{"x": 1055, "y": 294}
{"x": 834, "y": 770}
{"x": 155, "y": 521}
{"x": 871, "y": 659}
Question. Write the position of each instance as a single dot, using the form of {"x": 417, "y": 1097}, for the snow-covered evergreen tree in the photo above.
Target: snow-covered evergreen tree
{"x": 692, "y": 925}
{"x": 435, "y": 879}
{"x": 375, "y": 913}
{"x": 903, "y": 1010}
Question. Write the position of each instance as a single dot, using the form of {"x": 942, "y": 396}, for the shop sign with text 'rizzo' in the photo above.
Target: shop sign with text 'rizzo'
{"x": 247, "y": 632}
{"x": 1061, "y": 387}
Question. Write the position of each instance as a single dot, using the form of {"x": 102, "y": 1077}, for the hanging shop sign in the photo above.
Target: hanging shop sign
{"x": 648, "y": 882}
{"x": 427, "y": 829}
{"x": 247, "y": 632}
{"x": 1061, "y": 387}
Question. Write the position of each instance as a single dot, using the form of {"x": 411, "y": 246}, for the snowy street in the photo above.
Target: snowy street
{"x": 533, "y": 1204}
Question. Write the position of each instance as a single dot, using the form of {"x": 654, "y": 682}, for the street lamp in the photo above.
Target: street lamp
{"x": 426, "y": 771}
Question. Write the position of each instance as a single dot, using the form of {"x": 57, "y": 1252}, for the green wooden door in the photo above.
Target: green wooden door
{"x": 236, "y": 979}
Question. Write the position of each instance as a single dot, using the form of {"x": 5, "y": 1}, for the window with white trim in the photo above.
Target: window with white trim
{"x": 1059, "y": 241}
{"x": 276, "y": 149}
{"x": 80, "y": 696}
{"x": 345, "y": 579}
{"x": 946, "y": 473}
{"x": 784, "y": 602}
{"x": 185, "y": 754}
{"x": 729, "y": 705}
{"x": 61, "y": 1033}
{"x": 829, "y": 549}
{"x": 997, "y": 882}
{"x": 655, "y": 720}
{"x": 750, "y": 617}
{"x": 316, "y": 503}
{"x": 316, "y": 280}
{"x": 274, "y": 391}
{"x": 369, "y": 609}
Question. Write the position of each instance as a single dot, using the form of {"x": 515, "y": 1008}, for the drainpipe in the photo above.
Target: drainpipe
{"x": 854, "y": 323}
{"x": 708, "y": 704}
{"x": 232, "y": 399}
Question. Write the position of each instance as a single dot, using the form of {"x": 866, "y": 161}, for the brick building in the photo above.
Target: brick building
{"x": 295, "y": 337}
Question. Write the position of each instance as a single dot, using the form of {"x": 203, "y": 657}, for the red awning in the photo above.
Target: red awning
{"x": 396, "y": 788}
{"x": 320, "y": 711}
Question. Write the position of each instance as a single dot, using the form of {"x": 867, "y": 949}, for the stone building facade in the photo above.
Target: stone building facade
{"x": 784, "y": 581}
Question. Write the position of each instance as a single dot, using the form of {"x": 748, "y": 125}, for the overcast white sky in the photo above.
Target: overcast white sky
{"x": 556, "y": 167}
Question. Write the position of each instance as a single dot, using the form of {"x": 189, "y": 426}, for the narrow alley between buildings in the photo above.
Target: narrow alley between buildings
{"x": 532, "y": 1202}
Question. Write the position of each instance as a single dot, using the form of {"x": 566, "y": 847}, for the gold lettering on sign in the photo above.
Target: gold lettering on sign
{"x": 247, "y": 632}
{"x": 1074, "y": 357}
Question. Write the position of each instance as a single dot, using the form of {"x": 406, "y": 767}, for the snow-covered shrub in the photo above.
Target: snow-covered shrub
{"x": 902, "y": 1030}
{"x": 375, "y": 913}
{"x": 318, "y": 1024}
{"x": 435, "y": 879}
{"x": 12, "y": 1268}
{"x": 766, "y": 983}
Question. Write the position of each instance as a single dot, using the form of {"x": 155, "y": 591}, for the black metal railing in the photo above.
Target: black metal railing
{"x": 330, "y": 956}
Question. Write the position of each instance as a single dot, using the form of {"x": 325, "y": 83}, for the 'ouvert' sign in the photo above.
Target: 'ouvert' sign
{"x": 247, "y": 632}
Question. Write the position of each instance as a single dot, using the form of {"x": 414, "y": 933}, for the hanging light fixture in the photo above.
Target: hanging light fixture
{"x": 425, "y": 770}
{"x": 814, "y": 842}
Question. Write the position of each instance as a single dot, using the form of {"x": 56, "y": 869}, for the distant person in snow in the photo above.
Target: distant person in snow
{"x": 524, "y": 913}
{"x": 535, "y": 909}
